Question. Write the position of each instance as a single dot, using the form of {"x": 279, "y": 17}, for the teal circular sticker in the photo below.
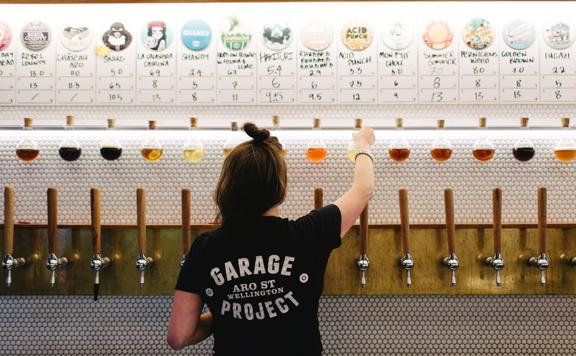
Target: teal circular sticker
{"x": 519, "y": 34}
{"x": 235, "y": 35}
{"x": 156, "y": 36}
{"x": 196, "y": 35}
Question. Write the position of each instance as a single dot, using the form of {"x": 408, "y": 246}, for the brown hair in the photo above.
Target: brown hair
{"x": 253, "y": 178}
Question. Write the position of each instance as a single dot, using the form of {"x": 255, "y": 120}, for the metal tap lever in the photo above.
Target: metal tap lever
{"x": 9, "y": 262}
{"x": 573, "y": 261}
{"x": 53, "y": 263}
{"x": 363, "y": 263}
{"x": 452, "y": 263}
{"x": 542, "y": 263}
{"x": 496, "y": 262}
{"x": 142, "y": 263}
{"x": 407, "y": 263}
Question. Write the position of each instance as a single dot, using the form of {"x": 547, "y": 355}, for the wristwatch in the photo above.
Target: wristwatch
{"x": 364, "y": 152}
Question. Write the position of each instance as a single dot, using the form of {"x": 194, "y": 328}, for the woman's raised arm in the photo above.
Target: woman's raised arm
{"x": 356, "y": 198}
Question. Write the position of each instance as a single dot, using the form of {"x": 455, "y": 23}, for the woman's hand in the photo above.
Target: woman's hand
{"x": 364, "y": 138}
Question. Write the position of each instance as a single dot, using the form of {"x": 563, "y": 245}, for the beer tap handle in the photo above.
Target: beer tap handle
{"x": 186, "y": 214}
{"x": 52, "y": 220}
{"x": 142, "y": 262}
{"x": 98, "y": 262}
{"x": 497, "y": 262}
{"x": 363, "y": 262}
{"x": 318, "y": 198}
{"x": 541, "y": 261}
{"x": 451, "y": 261}
{"x": 407, "y": 262}
{"x": 53, "y": 262}
{"x": 9, "y": 262}
{"x": 141, "y": 220}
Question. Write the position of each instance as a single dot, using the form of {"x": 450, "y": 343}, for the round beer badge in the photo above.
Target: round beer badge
{"x": 5, "y": 36}
{"x": 357, "y": 35}
{"x": 438, "y": 35}
{"x": 76, "y": 38}
{"x": 156, "y": 36}
{"x": 196, "y": 35}
{"x": 117, "y": 38}
{"x": 235, "y": 35}
{"x": 559, "y": 35}
{"x": 276, "y": 36}
{"x": 317, "y": 36}
{"x": 519, "y": 34}
{"x": 398, "y": 36}
{"x": 36, "y": 36}
{"x": 477, "y": 34}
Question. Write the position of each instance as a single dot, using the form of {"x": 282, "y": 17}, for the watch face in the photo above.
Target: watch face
{"x": 5, "y": 36}
{"x": 235, "y": 35}
{"x": 559, "y": 35}
{"x": 398, "y": 36}
{"x": 317, "y": 36}
{"x": 117, "y": 38}
{"x": 277, "y": 36}
{"x": 196, "y": 35}
{"x": 478, "y": 34}
{"x": 519, "y": 34}
{"x": 357, "y": 35}
{"x": 157, "y": 36}
{"x": 76, "y": 38}
{"x": 438, "y": 35}
{"x": 36, "y": 36}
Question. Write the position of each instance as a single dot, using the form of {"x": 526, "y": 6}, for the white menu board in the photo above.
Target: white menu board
{"x": 558, "y": 64}
{"x": 479, "y": 63}
{"x": 277, "y": 64}
{"x": 75, "y": 65}
{"x": 8, "y": 59}
{"x": 196, "y": 64}
{"x": 519, "y": 63}
{"x": 398, "y": 64}
{"x": 438, "y": 66}
{"x": 35, "y": 65}
{"x": 156, "y": 64}
{"x": 236, "y": 63}
{"x": 116, "y": 67}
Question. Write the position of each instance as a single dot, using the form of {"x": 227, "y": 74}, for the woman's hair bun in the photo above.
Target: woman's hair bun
{"x": 258, "y": 134}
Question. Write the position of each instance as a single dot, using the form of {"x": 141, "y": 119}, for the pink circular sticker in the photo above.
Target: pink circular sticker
{"x": 5, "y": 36}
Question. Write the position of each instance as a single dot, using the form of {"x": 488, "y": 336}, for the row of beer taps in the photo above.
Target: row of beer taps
{"x": 143, "y": 262}
{"x": 541, "y": 261}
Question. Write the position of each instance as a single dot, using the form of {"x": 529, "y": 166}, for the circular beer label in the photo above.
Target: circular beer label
{"x": 438, "y": 35}
{"x": 478, "y": 34}
{"x": 76, "y": 38}
{"x": 156, "y": 36}
{"x": 117, "y": 38}
{"x": 235, "y": 35}
{"x": 277, "y": 36}
{"x": 196, "y": 35}
{"x": 357, "y": 35}
{"x": 5, "y": 36}
{"x": 317, "y": 36}
{"x": 519, "y": 34}
{"x": 398, "y": 36}
{"x": 559, "y": 35}
{"x": 36, "y": 36}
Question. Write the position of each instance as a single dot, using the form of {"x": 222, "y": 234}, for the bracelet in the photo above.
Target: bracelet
{"x": 364, "y": 152}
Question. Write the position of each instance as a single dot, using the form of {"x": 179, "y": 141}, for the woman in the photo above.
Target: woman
{"x": 262, "y": 275}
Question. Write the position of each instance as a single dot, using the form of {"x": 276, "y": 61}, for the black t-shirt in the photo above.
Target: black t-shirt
{"x": 262, "y": 281}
